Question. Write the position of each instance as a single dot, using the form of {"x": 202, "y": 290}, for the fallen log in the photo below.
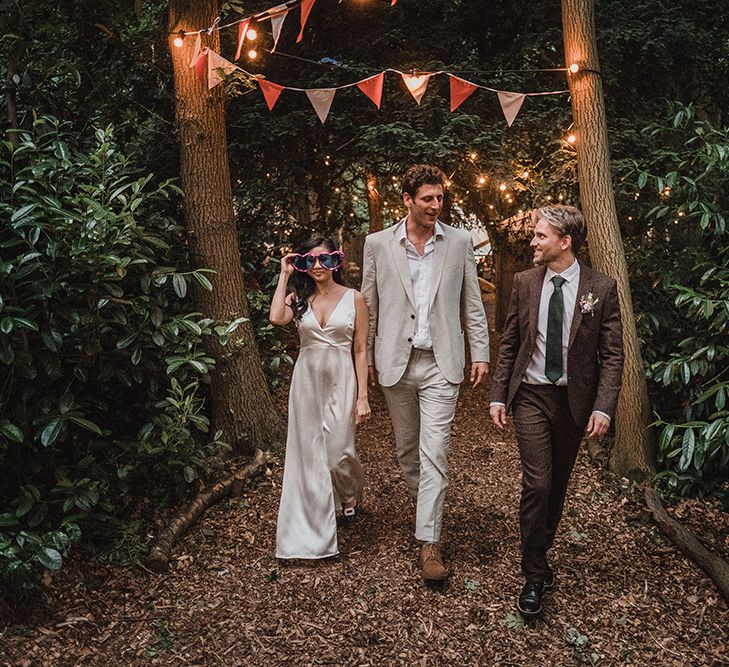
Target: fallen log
{"x": 715, "y": 567}
{"x": 160, "y": 553}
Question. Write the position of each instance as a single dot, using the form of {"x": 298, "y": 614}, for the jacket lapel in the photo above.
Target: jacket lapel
{"x": 582, "y": 288}
{"x": 400, "y": 259}
{"x": 439, "y": 255}
{"x": 535, "y": 292}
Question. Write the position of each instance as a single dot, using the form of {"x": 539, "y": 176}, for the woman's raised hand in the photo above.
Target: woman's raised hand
{"x": 287, "y": 268}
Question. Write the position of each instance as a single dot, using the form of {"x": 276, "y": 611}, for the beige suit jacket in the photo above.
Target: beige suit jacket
{"x": 455, "y": 304}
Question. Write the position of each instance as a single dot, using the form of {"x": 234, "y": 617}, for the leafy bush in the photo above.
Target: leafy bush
{"x": 103, "y": 371}
{"x": 686, "y": 237}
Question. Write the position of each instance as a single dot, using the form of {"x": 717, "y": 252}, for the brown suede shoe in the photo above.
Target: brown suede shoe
{"x": 431, "y": 563}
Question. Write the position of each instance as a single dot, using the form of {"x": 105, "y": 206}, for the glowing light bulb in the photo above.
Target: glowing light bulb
{"x": 179, "y": 40}
{"x": 253, "y": 54}
{"x": 481, "y": 180}
{"x": 571, "y": 139}
{"x": 525, "y": 174}
{"x": 448, "y": 184}
{"x": 549, "y": 197}
{"x": 502, "y": 187}
{"x": 473, "y": 156}
{"x": 251, "y": 34}
{"x": 574, "y": 68}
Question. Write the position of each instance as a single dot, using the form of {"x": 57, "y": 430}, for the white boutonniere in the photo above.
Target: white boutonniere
{"x": 587, "y": 303}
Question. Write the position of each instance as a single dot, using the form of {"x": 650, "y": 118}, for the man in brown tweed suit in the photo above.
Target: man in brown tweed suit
{"x": 559, "y": 371}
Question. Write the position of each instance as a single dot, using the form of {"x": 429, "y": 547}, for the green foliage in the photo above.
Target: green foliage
{"x": 103, "y": 369}
{"x": 686, "y": 188}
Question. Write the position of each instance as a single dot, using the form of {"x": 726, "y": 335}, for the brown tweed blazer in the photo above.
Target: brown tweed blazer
{"x": 595, "y": 353}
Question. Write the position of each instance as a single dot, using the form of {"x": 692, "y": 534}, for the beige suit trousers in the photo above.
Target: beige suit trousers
{"x": 422, "y": 405}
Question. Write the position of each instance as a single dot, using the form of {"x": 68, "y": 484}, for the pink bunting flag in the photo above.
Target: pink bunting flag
{"x": 196, "y": 50}
{"x": 306, "y": 6}
{"x": 242, "y": 30}
{"x": 201, "y": 65}
{"x": 216, "y": 62}
{"x": 271, "y": 92}
{"x": 510, "y": 105}
{"x": 372, "y": 87}
{"x": 416, "y": 84}
{"x": 461, "y": 90}
{"x": 321, "y": 100}
{"x": 277, "y": 22}
{"x": 393, "y": 3}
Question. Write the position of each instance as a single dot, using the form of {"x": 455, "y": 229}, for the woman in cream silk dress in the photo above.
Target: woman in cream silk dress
{"x": 328, "y": 396}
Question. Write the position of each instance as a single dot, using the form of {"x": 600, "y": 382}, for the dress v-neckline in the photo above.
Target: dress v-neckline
{"x": 334, "y": 310}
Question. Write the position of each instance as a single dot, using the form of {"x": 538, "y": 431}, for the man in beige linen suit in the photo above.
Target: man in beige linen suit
{"x": 419, "y": 280}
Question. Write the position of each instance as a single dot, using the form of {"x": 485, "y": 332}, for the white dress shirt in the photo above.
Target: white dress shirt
{"x": 421, "y": 278}
{"x": 535, "y": 372}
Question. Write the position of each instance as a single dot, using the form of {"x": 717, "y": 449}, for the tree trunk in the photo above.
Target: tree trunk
{"x": 633, "y": 448}
{"x": 374, "y": 204}
{"x": 241, "y": 404}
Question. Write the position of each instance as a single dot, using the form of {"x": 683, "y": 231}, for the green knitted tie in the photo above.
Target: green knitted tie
{"x": 555, "y": 314}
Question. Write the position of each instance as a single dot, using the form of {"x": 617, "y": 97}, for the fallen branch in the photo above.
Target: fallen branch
{"x": 160, "y": 553}
{"x": 714, "y": 566}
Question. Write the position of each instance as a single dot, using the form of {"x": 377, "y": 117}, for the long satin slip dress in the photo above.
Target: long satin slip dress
{"x": 321, "y": 470}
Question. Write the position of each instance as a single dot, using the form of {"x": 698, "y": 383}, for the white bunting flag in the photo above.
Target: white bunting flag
{"x": 321, "y": 100}
{"x": 277, "y": 22}
{"x": 416, "y": 84}
{"x": 216, "y": 62}
{"x": 196, "y": 50}
{"x": 510, "y": 105}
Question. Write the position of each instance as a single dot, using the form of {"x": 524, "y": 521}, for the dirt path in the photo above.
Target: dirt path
{"x": 624, "y": 596}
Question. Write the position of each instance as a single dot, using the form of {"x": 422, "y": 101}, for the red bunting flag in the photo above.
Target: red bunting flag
{"x": 242, "y": 30}
{"x": 461, "y": 90}
{"x": 306, "y": 6}
{"x": 372, "y": 87}
{"x": 201, "y": 65}
{"x": 392, "y": 4}
{"x": 271, "y": 92}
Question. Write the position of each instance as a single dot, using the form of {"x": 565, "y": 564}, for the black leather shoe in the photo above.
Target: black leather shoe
{"x": 530, "y": 599}
{"x": 548, "y": 582}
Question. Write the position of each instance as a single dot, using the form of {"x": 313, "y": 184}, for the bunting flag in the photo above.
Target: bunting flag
{"x": 201, "y": 65}
{"x": 306, "y": 6}
{"x": 416, "y": 84}
{"x": 321, "y": 100}
{"x": 393, "y": 3}
{"x": 242, "y": 30}
{"x": 510, "y": 105}
{"x": 271, "y": 92}
{"x": 277, "y": 22}
{"x": 196, "y": 50}
{"x": 372, "y": 87}
{"x": 216, "y": 62}
{"x": 461, "y": 90}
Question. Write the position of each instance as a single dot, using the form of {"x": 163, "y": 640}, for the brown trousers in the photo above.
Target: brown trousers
{"x": 548, "y": 439}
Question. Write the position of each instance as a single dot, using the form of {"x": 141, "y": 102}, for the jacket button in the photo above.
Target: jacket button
{"x": 410, "y": 340}
{"x": 412, "y": 317}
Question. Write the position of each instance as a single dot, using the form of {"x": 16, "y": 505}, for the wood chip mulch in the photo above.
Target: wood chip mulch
{"x": 624, "y": 595}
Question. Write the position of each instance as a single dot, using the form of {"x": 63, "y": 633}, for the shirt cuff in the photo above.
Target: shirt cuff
{"x": 492, "y": 403}
{"x": 604, "y": 414}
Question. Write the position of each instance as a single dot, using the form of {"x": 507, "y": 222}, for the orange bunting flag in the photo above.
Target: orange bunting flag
{"x": 306, "y": 6}
{"x": 510, "y": 105}
{"x": 393, "y": 3}
{"x": 196, "y": 50}
{"x": 321, "y": 99}
{"x": 201, "y": 65}
{"x": 242, "y": 30}
{"x": 416, "y": 85}
{"x": 461, "y": 90}
{"x": 216, "y": 62}
{"x": 271, "y": 92}
{"x": 372, "y": 87}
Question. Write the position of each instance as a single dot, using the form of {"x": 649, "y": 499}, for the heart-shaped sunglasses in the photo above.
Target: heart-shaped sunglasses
{"x": 330, "y": 261}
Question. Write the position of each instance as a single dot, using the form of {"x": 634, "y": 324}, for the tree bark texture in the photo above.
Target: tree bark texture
{"x": 633, "y": 448}
{"x": 161, "y": 551}
{"x": 241, "y": 404}
{"x": 715, "y": 566}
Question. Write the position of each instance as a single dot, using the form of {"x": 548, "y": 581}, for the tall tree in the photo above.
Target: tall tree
{"x": 242, "y": 405}
{"x": 632, "y": 449}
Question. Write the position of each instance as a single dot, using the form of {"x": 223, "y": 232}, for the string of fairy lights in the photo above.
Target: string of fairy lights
{"x": 247, "y": 37}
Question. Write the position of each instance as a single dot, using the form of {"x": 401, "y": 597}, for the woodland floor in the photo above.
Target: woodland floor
{"x": 624, "y": 595}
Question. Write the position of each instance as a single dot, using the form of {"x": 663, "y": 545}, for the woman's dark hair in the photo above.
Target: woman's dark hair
{"x": 302, "y": 283}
